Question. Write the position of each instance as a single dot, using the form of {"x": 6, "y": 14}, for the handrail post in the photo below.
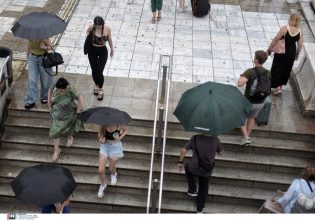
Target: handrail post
{"x": 154, "y": 195}
{"x": 158, "y": 146}
{"x": 162, "y": 98}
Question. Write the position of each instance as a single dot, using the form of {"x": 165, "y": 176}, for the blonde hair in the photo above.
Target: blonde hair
{"x": 294, "y": 20}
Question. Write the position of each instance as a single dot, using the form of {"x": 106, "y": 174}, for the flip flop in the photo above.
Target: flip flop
{"x": 70, "y": 141}
{"x": 277, "y": 92}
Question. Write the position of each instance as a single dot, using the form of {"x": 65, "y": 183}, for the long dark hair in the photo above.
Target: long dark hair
{"x": 98, "y": 20}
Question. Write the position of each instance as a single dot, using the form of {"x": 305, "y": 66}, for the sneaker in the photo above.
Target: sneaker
{"x": 245, "y": 142}
{"x": 192, "y": 194}
{"x": 100, "y": 193}
{"x": 200, "y": 212}
{"x": 29, "y": 105}
{"x": 113, "y": 179}
{"x": 44, "y": 100}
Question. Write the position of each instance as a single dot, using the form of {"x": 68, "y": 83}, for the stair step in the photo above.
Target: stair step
{"x": 272, "y": 145}
{"x": 83, "y": 195}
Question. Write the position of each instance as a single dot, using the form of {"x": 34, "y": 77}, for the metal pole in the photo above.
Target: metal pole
{"x": 154, "y": 194}
{"x": 162, "y": 98}
{"x": 158, "y": 146}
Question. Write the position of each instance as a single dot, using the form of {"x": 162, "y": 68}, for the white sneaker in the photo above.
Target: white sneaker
{"x": 245, "y": 142}
{"x": 113, "y": 179}
{"x": 100, "y": 193}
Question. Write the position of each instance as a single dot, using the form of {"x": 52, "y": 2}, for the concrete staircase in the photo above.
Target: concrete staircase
{"x": 243, "y": 177}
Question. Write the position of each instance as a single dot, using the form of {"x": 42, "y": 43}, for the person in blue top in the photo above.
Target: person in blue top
{"x": 59, "y": 207}
{"x": 289, "y": 198}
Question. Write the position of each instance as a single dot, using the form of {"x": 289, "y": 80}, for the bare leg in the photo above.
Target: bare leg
{"x": 55, "y": 156}
{"x": 69, "y": 141}
{"x": 101, "y": 169}
{"x": 112, "y": 170}
{"x": 249, "y": 125}
{"x": 244, "y": 131}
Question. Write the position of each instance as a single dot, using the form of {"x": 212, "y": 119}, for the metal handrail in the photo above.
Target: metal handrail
{"x": 153, "y": 140}
{"x": 164, "y": 136}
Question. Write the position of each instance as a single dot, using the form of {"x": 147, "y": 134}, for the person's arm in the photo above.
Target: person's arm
{"x": 300, "y": 45}
{"x": 275, "y": 40}
{"x": 64, "y": 204}
{"x": 100, "y": 135}
{"x": 88, "y": 31}
{"x": 110, "y": 42}
{"x": 180, "y": 163}
{"x": 49, "y": 98}
{"x": 46, "y": 44}
{"x": 28, "y": 49}
{"x": 80, "y": 103}
{"x": 125, "y": 130}
{"x": 242, "y": 81}
{"x": 220, "y": 149}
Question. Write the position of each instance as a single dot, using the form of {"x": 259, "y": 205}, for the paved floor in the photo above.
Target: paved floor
{"x": 217, "y": 47}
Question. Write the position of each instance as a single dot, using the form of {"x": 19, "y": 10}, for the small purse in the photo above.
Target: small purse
{"x": 279, "y": 47}
{"x": 51, "y": 60}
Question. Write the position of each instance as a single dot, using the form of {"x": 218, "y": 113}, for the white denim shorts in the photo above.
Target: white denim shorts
{"x": 112, "y": 149}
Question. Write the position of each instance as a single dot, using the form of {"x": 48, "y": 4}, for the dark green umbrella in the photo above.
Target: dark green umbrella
{"x": 212, "y": 108}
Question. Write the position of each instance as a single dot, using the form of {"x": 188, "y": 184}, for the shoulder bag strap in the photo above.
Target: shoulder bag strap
{"x": 309, "y": 185}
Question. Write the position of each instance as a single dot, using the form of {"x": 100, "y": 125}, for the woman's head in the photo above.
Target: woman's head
{"x": 62, "y": 83}
{"x": 98, "y": 21}
{"x": 294, "y": 20}
{"x": 309, "y": 173}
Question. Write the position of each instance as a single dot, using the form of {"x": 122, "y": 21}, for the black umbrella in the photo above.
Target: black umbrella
{"x": 38, "y": 25}
{"x": 43, "y": 184}
{"x": 105, "y": 116}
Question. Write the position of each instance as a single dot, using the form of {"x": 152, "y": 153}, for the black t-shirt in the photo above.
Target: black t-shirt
{"x": 250, "y": 74}
{"x": 208, "y": 146}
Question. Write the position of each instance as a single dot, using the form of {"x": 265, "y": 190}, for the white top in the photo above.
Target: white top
{"x": 288, "y": 199}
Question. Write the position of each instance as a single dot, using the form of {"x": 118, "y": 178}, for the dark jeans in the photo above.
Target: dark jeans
{"x": 52, "y": 209}
{"x": 98, "y": 58}
{"x": 202, "y": 189}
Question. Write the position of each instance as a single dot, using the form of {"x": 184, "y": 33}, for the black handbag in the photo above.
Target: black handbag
{"x": 51, "y": 60}
{"x": 88, "y": 43}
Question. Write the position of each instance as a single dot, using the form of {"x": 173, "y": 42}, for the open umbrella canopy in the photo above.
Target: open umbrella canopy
{"x": 212, "y": 108}
{"x": 105, "y": 116}
{"x": 38, "y": 25}
{"x": 43, "y": 184}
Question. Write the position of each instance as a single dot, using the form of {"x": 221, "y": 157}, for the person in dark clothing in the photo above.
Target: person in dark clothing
{"x": 283, "y": 62}
{"x": 207, "y": 147}
{"x": 98, "y": 53}
{"x": 247, "y": 78}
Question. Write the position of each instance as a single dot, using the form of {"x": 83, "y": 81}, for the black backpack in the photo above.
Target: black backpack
{"x": 200, "y": 8}
{"x": 261, "y": 86}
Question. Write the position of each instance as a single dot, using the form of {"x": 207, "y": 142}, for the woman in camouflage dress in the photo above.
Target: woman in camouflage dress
{"x": 64, "y": 105}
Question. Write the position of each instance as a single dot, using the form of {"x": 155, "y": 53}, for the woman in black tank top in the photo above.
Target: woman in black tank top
{"x": 111, "y": 149}
{"x": 98, "y": 53}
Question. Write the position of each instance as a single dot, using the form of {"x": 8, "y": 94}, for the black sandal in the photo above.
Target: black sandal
{"x": 29, "y": 105}
{"x": 100, "y": 95}
{"x": 44, "y": 100}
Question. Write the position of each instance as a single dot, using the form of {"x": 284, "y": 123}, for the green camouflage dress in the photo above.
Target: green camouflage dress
{"x": 64, "y": 120}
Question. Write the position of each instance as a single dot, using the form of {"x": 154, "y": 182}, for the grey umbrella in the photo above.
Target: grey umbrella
{"x": 38, "y": 25}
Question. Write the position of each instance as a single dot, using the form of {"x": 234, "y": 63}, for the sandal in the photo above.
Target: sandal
{"x": 44, "y": 100}
{"x": 153, "y": 20}
{"x": 158, "y": 17}
{"x": 55, "y": 156}
{"x": 29, "y": 105}
{"x": 100, "y": 95}
{"x": 69, "y": 141}
{"x": 96, "y": 89}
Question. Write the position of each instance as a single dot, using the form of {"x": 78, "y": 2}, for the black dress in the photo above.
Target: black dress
{"x": 282, "y": 63}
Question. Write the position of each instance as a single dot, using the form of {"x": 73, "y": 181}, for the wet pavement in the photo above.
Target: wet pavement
{"x": 216, "y": 48}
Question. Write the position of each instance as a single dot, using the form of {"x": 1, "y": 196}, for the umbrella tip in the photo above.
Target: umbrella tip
{"x": 210, "y": 91}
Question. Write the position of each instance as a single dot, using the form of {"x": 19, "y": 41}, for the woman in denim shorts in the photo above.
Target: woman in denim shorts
{"x": 111, "y": 149}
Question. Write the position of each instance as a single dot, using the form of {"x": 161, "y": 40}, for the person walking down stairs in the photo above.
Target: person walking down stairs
{"x": 63, "y": 110}
{"x": 111, "y": 149}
